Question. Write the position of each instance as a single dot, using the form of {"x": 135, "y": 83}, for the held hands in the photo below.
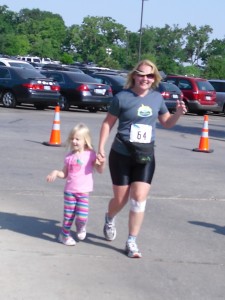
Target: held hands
{"x": 181, "y": 108}
{"x": 100, "y": 159}
{"x": 100, "y": 163}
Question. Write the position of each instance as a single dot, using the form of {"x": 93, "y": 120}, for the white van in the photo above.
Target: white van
{"x": 46, "y": 60}
{"x": 15, "y": 63}
{"x": 29, "y": 59}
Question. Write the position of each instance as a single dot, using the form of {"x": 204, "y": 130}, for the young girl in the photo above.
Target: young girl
{"x": 78, "y": 168}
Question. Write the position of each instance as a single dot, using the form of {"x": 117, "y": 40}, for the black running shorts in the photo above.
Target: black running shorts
{"x": 124, "y": 170}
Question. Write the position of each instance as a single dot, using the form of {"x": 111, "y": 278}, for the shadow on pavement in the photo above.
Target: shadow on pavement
{"x": 217, "y": 229}
{"x": 91, "y": 239}
{"x": 36, "y": 227}
{"x": 46, "y": 229}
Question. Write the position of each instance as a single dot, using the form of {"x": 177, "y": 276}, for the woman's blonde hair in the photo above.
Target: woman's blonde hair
{"x": 130, "y": 81}
{"x": 84, "y": 131}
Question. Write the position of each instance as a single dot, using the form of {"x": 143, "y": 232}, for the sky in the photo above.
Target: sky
{"x": 128, "y": 12}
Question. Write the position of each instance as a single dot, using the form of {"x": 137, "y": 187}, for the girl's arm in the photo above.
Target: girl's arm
{"x": 57, "y": 174}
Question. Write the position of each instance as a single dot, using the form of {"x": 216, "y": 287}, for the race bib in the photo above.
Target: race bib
{"x": 140, "y": 133}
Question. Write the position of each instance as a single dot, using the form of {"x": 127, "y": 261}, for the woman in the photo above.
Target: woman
{"x": 137, "y": 109}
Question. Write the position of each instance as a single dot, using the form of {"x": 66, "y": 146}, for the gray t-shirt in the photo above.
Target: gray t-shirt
{"x": 132, "y": 109}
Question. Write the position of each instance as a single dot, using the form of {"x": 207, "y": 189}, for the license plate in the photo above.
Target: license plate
{"x": 100, "y": 91}
{"x": 175, "y": 96}
{"x": 208, "y": 97}
{"x": 47, "y": 87}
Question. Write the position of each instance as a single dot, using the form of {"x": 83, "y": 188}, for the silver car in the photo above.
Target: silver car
{"x": 219, "y": 86}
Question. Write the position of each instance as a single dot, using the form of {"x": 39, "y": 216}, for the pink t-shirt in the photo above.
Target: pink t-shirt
{"x": 80, "y": 169}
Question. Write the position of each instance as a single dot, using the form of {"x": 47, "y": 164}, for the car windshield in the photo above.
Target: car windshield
{"x": 29, "y": 73}
{"x": 75, "y": 76}
{"x": 119, "y": 79}
{"x": 21, "y": 65}
{"x": 205, "y": 86}
{"x": 170, "y": 87}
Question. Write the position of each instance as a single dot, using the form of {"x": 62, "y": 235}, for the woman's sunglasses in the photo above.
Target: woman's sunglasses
{"x": 149, "y": 76}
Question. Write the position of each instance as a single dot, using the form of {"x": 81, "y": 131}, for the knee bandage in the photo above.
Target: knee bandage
{"x": 137, "y": 206}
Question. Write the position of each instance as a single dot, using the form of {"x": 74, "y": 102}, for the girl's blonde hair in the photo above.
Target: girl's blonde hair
{"x": 82, "y": 130}
{"x": 130, "y": 81}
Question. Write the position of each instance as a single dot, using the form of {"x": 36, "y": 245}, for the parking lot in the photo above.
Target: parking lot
{"x": 182, "y": 239}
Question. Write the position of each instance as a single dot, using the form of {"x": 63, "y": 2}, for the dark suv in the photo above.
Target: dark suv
{"x": 199, "y": 94}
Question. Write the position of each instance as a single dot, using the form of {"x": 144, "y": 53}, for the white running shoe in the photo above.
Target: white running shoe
{"x": 68, "y": 241}
{"x": 132, "y": 250}
{"x": 109, "y": 229}
{"x": 81, "y": 233}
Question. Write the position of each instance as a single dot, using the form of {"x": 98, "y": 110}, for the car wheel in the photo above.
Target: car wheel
{"x": 9, "y": 100}
{"x": 93, "y": 109}
{"x": 201, "y": 113}
{"x": 64, "y": 103}
{"x": 187, "y": 107}
{"x": 223, "y": 109}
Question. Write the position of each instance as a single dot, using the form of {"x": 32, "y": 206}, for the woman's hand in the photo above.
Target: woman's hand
{"x": 181, "y": 108}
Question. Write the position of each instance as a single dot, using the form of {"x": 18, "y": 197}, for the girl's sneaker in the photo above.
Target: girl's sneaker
{"x": 81, "y": 233}
{"x": 132, "y": 250}
{"x": 68, "y": 241}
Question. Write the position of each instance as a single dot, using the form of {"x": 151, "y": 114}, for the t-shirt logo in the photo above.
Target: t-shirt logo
{"x": 144, "y": 111}
{"x": 75, "y": 166}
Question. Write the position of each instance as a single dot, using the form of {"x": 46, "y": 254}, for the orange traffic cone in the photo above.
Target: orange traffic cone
{"x": 204, "y": 140}
{"x": 55, "y": 139}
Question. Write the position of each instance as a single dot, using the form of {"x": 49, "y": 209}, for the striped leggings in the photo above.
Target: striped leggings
{"x": 75, "y": 206}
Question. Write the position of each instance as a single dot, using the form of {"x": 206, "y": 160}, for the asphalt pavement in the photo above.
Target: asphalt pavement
{"x": 182, "y": 239}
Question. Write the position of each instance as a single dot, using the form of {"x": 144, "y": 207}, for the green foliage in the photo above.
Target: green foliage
{"x": 66, "y": 58}
{"x": 215, "y": 67}
{"x": 173, "y": 49}
{"x": 192, "y": 71}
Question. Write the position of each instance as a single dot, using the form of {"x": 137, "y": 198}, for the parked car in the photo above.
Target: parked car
{"x": 20, "y": 86}
{"x": 81, "y": 90}
{"x": 15, "y": 63}
{"x": 116, "y": 82}
{"x": 171, "y": 93}
{"x": 219, "y": 86}
{"x": 199, "y": 94}
{"x": 36, "y": 65}
{"x": 61, "y": 67}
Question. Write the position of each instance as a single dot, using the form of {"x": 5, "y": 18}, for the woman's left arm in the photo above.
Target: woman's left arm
{"x": 168, "y": 120}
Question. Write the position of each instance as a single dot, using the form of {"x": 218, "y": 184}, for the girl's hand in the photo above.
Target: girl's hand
{"x": 52, "y": 176}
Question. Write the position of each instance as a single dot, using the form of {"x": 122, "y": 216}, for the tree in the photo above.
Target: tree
{"x": 164, "y": 47}
{"x": 96, "y": 34}
{"x": 196, "y": 40}
{"x": 215, "y": 48}
{"x": 215, "y": 67}
{"x": 13, "y": 44}
{"x": 44, "y": 30}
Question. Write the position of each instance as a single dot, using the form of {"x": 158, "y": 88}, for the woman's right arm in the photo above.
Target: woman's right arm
{"x": 107, "y": 125}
